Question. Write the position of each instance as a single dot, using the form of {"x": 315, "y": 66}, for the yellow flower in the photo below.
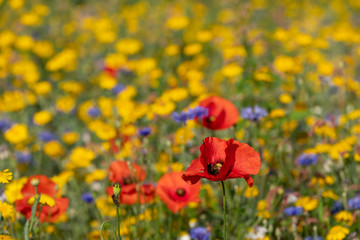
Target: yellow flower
{"x": 16, "y": 134}
{"x": 192, "y": 49}
{"x": 30, "y": 19}
{"x": 261, "y": 205}
{"x": 277, "y": 113}
{"x": 204, "y": 36}
{"x": 81, "y": 157}
{"x": 42, "y": 117}
{"x": 72, "y": 87}
{"x": 284, "y": 64}
{"x": 263, "y": 75}
{"x": 330, "y": 194}
{"x": 325, "y": 68}
{"x": 231, "y": 70}
{"x": 5, "y": 176}
{"x": 128, "y": 46}
{"x": 62, "y": 179}
{"x": 53, "y": 149}
{"x": 344, "y": 217}
{"x": 251, "y": 192}
{"x": 44, "y": 199}
{"x": 337, "y": 233}
{"x": 13, "y": 190}
{"x": 105, "y": 131}
{"x": 64, "y": 60}
{"x": 65, "y": 104}
{"x": 42, "y": 88}
{"x": 96, "y": 175}
{"x": 183, "y": 135}
{"x": 285, "y": 98}
{"x": 16, "y": 4}
{"x": 70, "y": 137}
{"x": 307, "y": 203}
{"x": 177, "y": 22}
{"x": 24, "y": 43}
{"x": 43, "y": 49}
{"x": 5, "y": 237}
{"x": 106, "y": 81}
{"x": 12, "y": 101}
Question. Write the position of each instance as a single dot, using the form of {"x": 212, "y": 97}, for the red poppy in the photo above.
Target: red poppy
{"x": 130, "y": 178}
{"x": 222, "y": 113}
{"x": 175, "y": 192}
{"x": 220, "y": 160}
{"x": 48, "y": 187}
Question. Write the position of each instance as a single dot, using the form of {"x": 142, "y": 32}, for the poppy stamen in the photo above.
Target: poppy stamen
{"x": 180, "y": 192}
{"x": 214, "y": 169}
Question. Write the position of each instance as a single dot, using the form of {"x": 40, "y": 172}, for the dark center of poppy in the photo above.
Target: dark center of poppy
{"x": 180, "y": 192}
{"x": 210, "y": 119}
{"x": 214, "y": 169}
{"x": 128, "y": 180}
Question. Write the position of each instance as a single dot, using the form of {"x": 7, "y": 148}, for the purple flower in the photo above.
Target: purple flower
{"x": 144, "y": 131}
{"x": 313, "y": 238}
{"x": 199, "y": 233}
{"x": 47, "y": 136}
{"x": 118, "y": 89}
{"x": 182, "y": 117}
{"x": 199, "y": 112}
{"x": 337, "y": 207}
{"x": 293, "y": 211}
{"x": 94, "y": 112}
{"x": 253, "y": 114}
{"x": 354, "y": 203}
{"x": 307, "y": 159}
{"x": 87, "y": 197}
{"x": 23, "y": 157}
{"x": 5, "y": 124}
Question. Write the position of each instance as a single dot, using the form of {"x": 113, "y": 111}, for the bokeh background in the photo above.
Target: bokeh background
{"x": 85, "y": 83}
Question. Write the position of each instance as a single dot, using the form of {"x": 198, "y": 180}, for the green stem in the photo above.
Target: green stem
{"x": 225, "y": 211}
{"x": 118, "y": 221}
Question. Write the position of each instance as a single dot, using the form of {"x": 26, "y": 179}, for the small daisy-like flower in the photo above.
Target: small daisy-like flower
{"x": 5, "y": 176}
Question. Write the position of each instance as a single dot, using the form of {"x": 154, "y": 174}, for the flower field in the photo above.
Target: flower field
{"x": 180, "y": 119}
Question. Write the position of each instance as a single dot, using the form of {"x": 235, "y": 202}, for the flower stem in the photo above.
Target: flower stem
{"x": 118, "y": 221}
{"x": 225, "y": 211}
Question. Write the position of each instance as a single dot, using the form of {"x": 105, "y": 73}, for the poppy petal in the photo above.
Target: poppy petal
{"x": 191, "y": 175}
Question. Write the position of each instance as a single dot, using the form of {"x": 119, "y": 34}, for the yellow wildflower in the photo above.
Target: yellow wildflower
{"x": 5, "y": 176}
{"x": 337, "y": 233}
{"x": 96, "y": 175}
{"x": 44, "y": 199}
{"x": 53, "y": 149}
{"x": 16, "y": 134}
{"x": 13, "y": 190}
{"x": 177, "y": 22}
{"x": 251, "y": 192}
{"x": 81, "y": 157}
{"x": 42, "y": 117}
{"x": 70, "y": 137}
{"x": 307, "y": 203}
{"x": 344, "y": 217}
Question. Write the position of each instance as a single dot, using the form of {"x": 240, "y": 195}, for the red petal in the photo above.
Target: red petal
{"x": 120, "y": 170}
{"x": 212, "y": 150}
{"x": 45, "y": 186}
{"x": 247, "y": 161}
{"x": 224, "y": 112}
{"x": 191, "y": 175}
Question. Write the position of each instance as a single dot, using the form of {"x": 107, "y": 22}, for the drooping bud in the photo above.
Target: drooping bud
{"x": 116, "y": 188}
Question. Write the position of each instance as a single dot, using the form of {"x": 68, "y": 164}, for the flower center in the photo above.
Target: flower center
{"x": 180, "y": 192}
{"x": 214, "y": 169}
{"x": 128, "y": 180}
{"x": 210, "y": 119}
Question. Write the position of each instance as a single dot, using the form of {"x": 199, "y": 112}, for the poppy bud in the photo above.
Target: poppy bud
{"x": 35, "y": 182}
{"x": 116, "y": 188}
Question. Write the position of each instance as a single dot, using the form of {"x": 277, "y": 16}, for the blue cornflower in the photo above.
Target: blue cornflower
{"x": 354, "y": 203}
{"x": 93, "y": 112}
{"x": 337, "y": 207}
{"x": 199, "y": 233}
{"x": 182, "y": 117}
{"x": 87, "y": 197}
{"x": 253, "y": 114}
{"x": 313, "y": 238}
{"x": 199, "y": 112}
{"x": 5, "y": 124}
{"x": 144, "y": 131}
{"x": 23, "y": 157}
{"x": 118, "y": 89}
{"x": 293, "y": 211}
{"x": 47, "y": 136}
{"x": 307, "y": 159}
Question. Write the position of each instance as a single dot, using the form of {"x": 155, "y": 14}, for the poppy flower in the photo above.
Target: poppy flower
{"x": 220, "y": 160}
{"x": 175, "y": 192}
{"x": 129, "y": 178}
{"x": 222, "y": 113}
{"x": 49, "y": 212}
